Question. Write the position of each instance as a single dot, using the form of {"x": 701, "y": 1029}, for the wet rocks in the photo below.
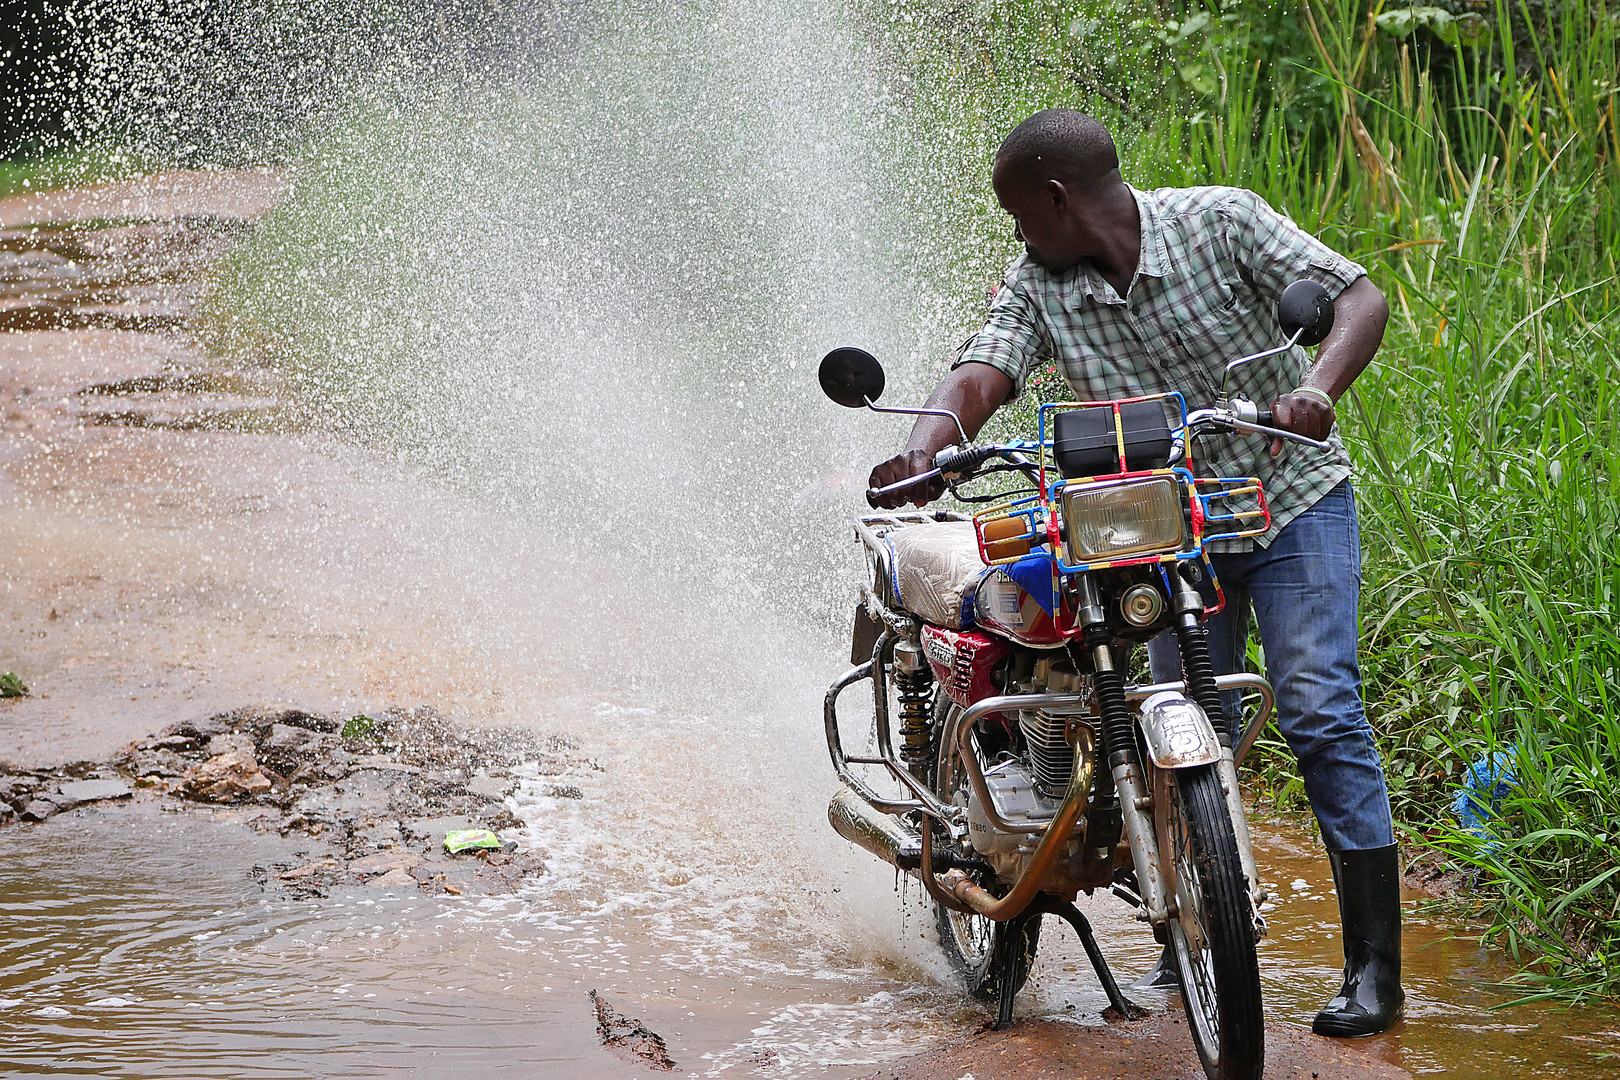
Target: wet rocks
{"x": 629, "y": 1038}
{"x": 83, "y": 791}
{"x": 375, "y": 799}
{"x": 230, "y": 776}
{"x": 489, "y": 787}
{"x": 235, "y": 742}
{"x": 17, "y": 788}
{"x": 36, "y": 796}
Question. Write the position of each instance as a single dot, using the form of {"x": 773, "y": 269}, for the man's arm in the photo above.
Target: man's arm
{"x": 972, "y": 392}
{"x": 1359, "y": 317}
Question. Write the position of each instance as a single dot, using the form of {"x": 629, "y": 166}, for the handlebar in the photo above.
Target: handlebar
{"x": 1240, "y": 414}
{"x": 959, "y": 462}
{"x": 953, "y": 463}
{"x": 873, "y": 493}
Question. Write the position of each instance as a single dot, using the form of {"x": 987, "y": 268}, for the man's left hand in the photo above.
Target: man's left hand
{"x": 1303, "y": 414}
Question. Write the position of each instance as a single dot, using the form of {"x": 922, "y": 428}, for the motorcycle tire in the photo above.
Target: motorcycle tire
{"x": 1212, "y": 935}
{"x": 970, "y": 942}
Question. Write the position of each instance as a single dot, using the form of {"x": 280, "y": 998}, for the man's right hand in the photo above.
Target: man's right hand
{"x": 896, "y": 469}
{"x": 972, "y": 392}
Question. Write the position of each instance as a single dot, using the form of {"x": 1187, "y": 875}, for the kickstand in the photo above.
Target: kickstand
{"x": 1009, "y": 941}
{"x": 1074, "y": 917}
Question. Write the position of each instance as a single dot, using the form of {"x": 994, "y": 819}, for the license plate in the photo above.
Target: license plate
{"x": 866, "y": 636}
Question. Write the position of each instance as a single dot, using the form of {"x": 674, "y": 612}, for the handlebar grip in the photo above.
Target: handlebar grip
{"x": 1263, "y": 418}
{"x": 964, "y": 459}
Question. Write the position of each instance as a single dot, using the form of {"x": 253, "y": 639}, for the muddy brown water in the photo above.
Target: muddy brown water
{"x": 159, "y": 569}
{"x": 141, "y": 942}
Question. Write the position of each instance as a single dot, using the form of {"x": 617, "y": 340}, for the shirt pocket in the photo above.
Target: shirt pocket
{"x": 1224, "y": 330}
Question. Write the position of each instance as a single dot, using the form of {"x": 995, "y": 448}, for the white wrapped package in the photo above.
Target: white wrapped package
{"x": 936, "y": 566}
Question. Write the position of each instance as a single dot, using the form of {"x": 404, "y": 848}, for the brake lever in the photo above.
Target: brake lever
{"x": 1277, "y": 433}
{"x": 955, "y": 463}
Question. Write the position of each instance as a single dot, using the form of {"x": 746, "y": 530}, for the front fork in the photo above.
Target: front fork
{"x": 1124, "y": 760}
{"x": 1192, "y": 637}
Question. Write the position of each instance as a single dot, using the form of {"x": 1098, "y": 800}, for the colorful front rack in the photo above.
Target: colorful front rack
{"x": 1214, "y": 508}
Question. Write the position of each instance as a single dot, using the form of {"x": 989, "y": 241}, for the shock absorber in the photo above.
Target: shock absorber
{"x": 1193, "y": 638}
{"x": 1119, "y": 734}
{"x": 914, "y": 683}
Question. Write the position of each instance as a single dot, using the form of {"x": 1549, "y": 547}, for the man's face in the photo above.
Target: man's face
{"x": 1041, "y": 219}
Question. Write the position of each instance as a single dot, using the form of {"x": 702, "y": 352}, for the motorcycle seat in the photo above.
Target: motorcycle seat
{"x": 937, "y": 569}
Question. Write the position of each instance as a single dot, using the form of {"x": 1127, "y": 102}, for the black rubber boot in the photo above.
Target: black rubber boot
{"x": 1369, "y": 884}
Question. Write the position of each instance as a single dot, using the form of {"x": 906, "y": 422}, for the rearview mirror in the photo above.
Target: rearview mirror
{"x": 1305, "y": 309}
{"x": 852, "y": 377}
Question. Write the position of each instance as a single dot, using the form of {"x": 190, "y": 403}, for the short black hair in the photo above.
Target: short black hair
{"x": 1060, "y": 144}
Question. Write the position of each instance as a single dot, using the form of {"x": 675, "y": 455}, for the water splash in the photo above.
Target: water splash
{"x": 589, "y": 301}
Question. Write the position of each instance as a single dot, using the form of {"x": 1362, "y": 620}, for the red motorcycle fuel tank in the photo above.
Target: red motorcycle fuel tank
{"x": 964, "y": 662}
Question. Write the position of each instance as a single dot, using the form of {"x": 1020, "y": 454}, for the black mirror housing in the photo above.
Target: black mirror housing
{"x": 1305, "y": 308}
{"x": 852, "y": 377}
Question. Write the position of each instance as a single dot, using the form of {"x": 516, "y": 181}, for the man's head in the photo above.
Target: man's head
{"x": 1051, "y": 172}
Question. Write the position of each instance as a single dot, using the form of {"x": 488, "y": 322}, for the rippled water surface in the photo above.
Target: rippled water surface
{"x": 141, "y": 942}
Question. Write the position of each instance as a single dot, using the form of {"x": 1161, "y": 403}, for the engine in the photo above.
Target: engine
{"x": 1027, "y": 787}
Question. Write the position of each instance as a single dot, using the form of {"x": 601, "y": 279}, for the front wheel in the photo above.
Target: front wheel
{"x": 969, "y": 941}
{"x": 1212, "y": 934}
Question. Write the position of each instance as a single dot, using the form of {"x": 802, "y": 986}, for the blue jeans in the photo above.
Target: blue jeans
{"x": 1305, "y": 591}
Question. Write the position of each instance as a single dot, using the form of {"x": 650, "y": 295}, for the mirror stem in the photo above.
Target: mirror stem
{"x": 1240, "y": 361}
{"x": 960, "y": 430}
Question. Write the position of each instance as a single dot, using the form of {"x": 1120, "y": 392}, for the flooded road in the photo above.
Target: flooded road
{"x": 160, "y": 566}
{"x": 144, "y": 943}
{"x": 138, "y": 944}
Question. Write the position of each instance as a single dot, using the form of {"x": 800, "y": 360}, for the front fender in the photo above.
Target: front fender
{"x": 1177, "y": 732}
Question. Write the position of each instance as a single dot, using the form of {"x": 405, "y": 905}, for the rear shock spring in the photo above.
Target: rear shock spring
{"x": 1193, "y": 638}
{"x": 914, "y": 683}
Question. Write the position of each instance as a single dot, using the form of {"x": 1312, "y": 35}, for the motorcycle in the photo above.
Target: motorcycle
{"x": 1023, "y": 766}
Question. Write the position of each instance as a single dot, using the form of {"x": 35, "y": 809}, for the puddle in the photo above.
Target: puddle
{"x": 139, "y": 945}
{"x": 1450, "y": 1028}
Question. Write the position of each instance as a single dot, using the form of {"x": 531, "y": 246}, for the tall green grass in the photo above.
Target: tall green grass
{"x": 1475, "y": 174}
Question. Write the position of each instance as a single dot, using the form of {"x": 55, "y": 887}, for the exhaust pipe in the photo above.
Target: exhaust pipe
{"x": 857, "y": 821}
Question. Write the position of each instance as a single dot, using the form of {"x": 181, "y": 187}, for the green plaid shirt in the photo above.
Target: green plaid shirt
{"x": 1214, "y": 260}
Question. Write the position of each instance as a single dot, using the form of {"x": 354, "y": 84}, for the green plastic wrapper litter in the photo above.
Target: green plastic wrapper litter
{"x": 458, "y": 840}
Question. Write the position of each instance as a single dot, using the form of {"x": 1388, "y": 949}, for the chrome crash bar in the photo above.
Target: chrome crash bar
{"x": 922, "y": 799}
{"x": 1074, "y": 704}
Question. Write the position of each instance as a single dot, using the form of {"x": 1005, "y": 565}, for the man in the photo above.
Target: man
{"x": 1136, "y": 292}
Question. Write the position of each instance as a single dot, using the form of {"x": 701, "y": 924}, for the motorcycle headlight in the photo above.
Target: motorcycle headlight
{"x": 1103, "y": 523}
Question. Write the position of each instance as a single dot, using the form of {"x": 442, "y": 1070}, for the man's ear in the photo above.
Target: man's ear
{"x": 1058, "y": 194}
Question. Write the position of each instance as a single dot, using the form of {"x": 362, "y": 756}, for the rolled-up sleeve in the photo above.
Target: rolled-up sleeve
{"x": 1012, "y": 340}
{"x": 1275, "y": 252}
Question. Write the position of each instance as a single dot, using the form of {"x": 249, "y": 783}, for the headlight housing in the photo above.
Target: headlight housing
{"x": 1109, "y": 522}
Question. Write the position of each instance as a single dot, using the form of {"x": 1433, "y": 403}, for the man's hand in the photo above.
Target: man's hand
{"x": 972, "y": 392}
{"x": 896, "y": 469}
{"x": 1303, "y": 414}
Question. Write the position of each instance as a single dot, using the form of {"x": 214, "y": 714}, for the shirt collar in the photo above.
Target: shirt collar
{"x": 1154, "y": 260}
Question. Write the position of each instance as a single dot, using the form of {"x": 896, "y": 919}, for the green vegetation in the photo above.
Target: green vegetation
{"x": 1469, "y": 155}
{"x": 359, "y": 726}
{"x": 63, "y": 169}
